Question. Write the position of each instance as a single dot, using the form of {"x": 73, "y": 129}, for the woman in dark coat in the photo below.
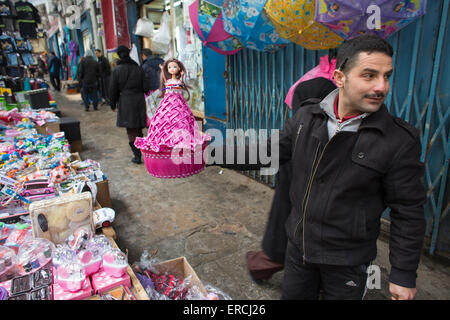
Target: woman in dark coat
{"x": 127, "y": 87}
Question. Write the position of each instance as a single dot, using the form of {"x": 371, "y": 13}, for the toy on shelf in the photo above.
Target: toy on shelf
{"x": 8, "y": 263}
{"x": 34, "y": 254}
{"x": 115, "y": 263}
{"x": 70, "y": 276}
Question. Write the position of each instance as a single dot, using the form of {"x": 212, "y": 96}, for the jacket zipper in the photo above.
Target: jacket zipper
{"x": 305, "y": 206}
{"x": 300, "y": 127}
{"x": 309, "y": 181}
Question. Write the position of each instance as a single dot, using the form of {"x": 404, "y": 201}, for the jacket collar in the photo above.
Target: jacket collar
{"x": 376, "y": 120}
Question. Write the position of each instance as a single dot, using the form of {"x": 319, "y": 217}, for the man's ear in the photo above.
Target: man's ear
{"x": 339, "y": 78}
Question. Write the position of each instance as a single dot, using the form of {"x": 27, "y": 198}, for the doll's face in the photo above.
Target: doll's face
{"x": 173, "y": 68}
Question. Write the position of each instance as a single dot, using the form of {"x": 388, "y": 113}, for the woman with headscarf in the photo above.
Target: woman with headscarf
{"x": 87, "y": 75}
{"x": 127, "y": 87}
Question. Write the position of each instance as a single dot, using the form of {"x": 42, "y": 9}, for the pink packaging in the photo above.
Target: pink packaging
{"x": 102, "y": 282}
{"x": 70, "y": 276}
{"x": 91, "y": 262}
{"x": 115, "y": 263}
{"x": 60, "y": 294}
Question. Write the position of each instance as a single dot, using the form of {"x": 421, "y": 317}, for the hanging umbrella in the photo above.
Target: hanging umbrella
{"x": 248, "y": 21}
{"x": 351, "y": 18}
{"x": 294, "y": 21}
{"x": 206, "y": 18}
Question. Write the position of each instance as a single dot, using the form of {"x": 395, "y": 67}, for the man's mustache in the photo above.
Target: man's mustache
{"x": 375, "y": 96}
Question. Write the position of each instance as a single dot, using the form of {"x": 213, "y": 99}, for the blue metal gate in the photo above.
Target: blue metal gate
{"x": 257, "y": 84}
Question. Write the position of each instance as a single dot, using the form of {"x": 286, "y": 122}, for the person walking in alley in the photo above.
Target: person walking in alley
{"x": 54, "y": 69}
{"x": 87, "y": 75}
{"x": 105, "y": 74}
{"x": 351, "y": 159}
{"x": 127, "y": 87}
{"x": 152, "y": 67}
{"x": 263, "y": 264}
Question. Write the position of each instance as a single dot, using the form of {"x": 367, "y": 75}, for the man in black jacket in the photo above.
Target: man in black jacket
{"x": 87, "y": 75}
{"x": 151, "y": 65}
{"x": 105, "y": 74}
{"x": 351, "y": 160}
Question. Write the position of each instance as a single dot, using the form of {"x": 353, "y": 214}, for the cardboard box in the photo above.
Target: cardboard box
{"x": 76, "y": 146}
{"x": 180, "y": 267}
{"x": 51, "y": 126}
{"x": 103, "y": 196}
{"x": 57, "y": 218}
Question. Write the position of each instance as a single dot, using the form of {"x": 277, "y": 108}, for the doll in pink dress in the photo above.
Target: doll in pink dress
{"x": 173, "y": 134}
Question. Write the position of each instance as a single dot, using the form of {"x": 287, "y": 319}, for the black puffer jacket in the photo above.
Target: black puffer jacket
{"x": 340, "y": 188}
{"x": 127, "y": 87}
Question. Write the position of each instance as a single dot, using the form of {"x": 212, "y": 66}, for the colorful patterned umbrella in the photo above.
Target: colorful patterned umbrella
{"x": 248, "y": 21}
{"x": 294, "y": 20}
{"x": 206, "y": 18}
{"x": 351, "y": 18}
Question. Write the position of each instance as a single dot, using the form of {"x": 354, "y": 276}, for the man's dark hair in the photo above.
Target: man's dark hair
{"x": 98, "y": 50}
{"x": 349, "y": 51}
{"x": 147, "y": 52}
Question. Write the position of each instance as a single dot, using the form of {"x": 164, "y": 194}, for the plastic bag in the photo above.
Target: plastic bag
{"x": 144, "y": 28}
{"x": 161, "y": 41}
{"x": 152, "y": 102}
{"x": 324, "y": 69}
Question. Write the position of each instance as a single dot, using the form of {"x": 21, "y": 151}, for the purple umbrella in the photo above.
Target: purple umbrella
{"x": 351, "y": 18}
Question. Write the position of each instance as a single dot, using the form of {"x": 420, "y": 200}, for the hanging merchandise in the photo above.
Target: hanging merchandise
{"x": 27, "y": 19}
{"x": 9, "y": 49}
{"x": 351, "y": 18}
{"x": 207, "y": 21}
{"x": 73, "y": 58}
{"x": 294, "y": 20}
{"x": 134, "y": 54}
{"x": 161, "y": 41}
{"x": 248, "y": 21}
{"x": 115, "y": 24}
{"x": 144, "y": 28}
{"x": 24, "y": 48}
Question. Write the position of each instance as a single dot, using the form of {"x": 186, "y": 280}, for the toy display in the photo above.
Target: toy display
{"x": 70, "y": 276}
{"x": 115, "y": 263}
{"x": 103, "y": 217}
{"x": 34, "y": 286}
{"x": 49, "y": 223}
{"x": 8, "y": 263}
{"x": 34, "y": 254}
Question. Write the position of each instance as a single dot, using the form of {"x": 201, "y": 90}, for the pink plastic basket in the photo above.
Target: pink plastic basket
{"x": 181, "y": 164}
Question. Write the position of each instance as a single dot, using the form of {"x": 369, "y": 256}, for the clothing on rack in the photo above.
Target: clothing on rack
{"x": 27, "y": 19}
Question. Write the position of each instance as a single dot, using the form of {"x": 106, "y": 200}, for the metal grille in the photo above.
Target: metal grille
{"x": 257, "y": 84}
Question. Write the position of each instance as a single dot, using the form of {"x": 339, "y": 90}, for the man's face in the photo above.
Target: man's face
{"x": 98, "y": 54}
{"x": 365, "y": 87}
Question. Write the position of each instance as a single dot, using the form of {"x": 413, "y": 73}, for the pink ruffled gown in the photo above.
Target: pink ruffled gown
{"x": 172, "y": 128}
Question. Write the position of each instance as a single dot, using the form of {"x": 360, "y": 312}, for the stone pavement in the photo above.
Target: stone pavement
{"x": 212, "y": 219}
